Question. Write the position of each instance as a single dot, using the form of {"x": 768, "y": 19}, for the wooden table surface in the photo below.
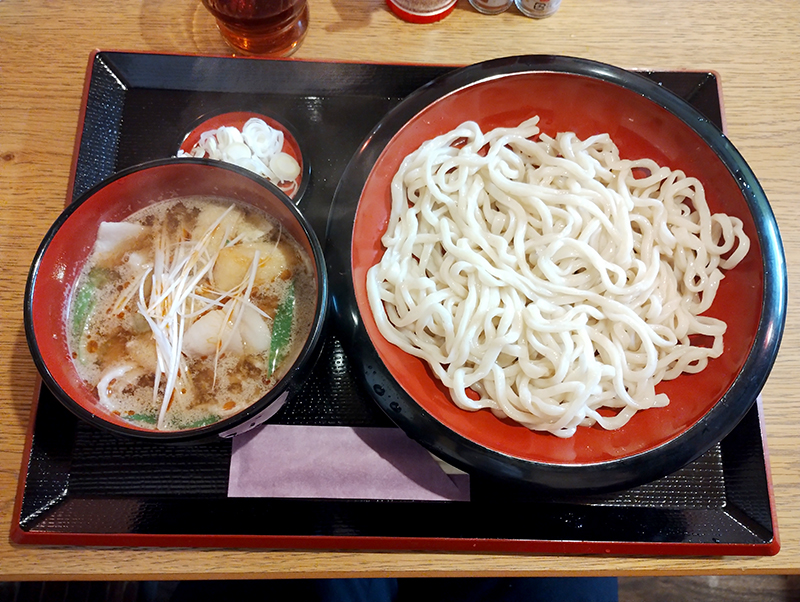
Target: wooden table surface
{"x": 44, "y": 48}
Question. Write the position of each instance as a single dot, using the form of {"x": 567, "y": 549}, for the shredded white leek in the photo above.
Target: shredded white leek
{"x": 179, "y": 292}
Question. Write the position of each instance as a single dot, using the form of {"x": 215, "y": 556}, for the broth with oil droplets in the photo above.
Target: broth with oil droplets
{"x": 189, "y": 311}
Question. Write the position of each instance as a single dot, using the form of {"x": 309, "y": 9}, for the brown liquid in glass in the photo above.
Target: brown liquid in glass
{"x": 264, "y": 27}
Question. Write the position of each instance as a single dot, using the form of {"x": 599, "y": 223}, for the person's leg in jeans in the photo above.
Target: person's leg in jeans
{"x": 533, "y": 589}
{"x": 527, "y": 589}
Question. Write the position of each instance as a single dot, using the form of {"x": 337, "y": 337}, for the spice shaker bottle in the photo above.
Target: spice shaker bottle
{"x": 537, "y": 9}
{"x": 491, "y": 7}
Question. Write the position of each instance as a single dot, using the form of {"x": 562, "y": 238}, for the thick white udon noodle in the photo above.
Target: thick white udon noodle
{"x": 550, "y": 276}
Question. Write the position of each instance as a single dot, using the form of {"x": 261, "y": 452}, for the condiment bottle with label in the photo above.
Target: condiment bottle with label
{"x": 421, "y": 11}
{"x": 491, "y": 7}
{"x": 537, "y": 9}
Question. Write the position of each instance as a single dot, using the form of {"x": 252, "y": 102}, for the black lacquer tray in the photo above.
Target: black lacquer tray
{"x": 82, "y": 486}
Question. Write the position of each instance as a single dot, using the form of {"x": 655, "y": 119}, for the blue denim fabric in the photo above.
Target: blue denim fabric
{"x": 544, "y": 589}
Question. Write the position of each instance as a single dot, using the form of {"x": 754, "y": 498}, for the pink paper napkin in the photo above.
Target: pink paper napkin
{"x": 337, "y": 462}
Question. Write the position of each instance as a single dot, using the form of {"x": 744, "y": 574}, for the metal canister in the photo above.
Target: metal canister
{"x": 537, "y": 9}
{"x": 491, "y": 7}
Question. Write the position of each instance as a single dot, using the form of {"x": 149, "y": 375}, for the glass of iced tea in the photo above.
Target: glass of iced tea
{"x": 263, "y": 27}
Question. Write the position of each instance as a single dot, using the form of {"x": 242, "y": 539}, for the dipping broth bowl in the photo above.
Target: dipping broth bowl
{"x": 69, "y": 243}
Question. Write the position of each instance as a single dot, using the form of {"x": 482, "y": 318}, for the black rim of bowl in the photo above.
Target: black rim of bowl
{"x": 288, "y": 384}
{"x": 554, "y": 478}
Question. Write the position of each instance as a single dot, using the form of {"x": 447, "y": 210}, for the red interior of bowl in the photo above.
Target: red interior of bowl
{"x": 640, "y": 128}
{"x": 238, "y": 119}
{"x": 71, "y": 245}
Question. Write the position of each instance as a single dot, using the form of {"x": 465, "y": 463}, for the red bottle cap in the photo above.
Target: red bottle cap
{"x": 421, "y": 17}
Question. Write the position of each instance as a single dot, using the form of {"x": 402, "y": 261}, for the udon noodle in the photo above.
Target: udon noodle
{"x": 547, "y": 278}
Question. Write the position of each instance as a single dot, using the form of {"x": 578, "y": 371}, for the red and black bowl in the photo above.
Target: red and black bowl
{"x": 69, "y": 243}
{"x": 294, "y": 189}
{"x": 644, "y": 120}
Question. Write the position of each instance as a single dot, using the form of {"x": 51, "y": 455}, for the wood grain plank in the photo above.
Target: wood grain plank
{"x": 45, "y": 47}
